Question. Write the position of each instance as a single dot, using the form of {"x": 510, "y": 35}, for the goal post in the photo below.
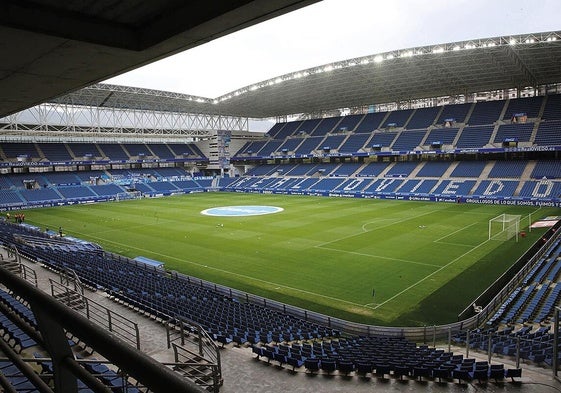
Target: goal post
{"x": 123, "y": 196}
{"x": 504, "y": 227}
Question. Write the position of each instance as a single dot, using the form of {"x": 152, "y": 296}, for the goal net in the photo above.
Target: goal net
{"x": 123, "y": 196}
{"x": 504, "y": 227}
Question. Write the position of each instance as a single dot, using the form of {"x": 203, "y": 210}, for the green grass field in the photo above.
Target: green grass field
{"x": 425, "y": 261}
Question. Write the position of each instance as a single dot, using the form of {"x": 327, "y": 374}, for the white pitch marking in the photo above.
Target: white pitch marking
{"x": 453, "y": 233}
{"x": 430, "y": 275}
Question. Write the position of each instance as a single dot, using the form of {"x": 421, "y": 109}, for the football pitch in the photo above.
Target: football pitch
{"x": 372, "y": 261}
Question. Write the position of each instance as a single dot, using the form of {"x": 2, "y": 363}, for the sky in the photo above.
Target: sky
{"x": 334, "y": 30}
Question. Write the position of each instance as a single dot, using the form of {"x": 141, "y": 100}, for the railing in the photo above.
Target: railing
{"x": 117, "y": 324}
{"x": 69, "y": 278}
{"x": 54, "y": 319}
{"x": 21, "y": 270}
{"x": 196, "y": 350}
{"x": 205, "y": 373}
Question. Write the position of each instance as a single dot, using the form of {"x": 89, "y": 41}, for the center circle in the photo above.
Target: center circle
{"x": 241, "y": 211}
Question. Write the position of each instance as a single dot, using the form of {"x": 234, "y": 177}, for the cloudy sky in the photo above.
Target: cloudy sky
{"x": 335, "y": 30}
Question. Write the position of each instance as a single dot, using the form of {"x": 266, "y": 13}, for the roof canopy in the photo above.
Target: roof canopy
{"x": 52, "y": 47}
{"x": 431, "y": 71}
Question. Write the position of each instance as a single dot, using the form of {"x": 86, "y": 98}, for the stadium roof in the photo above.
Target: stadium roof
{"x": 52, "y": 47}
{"x": 450, "y": 69}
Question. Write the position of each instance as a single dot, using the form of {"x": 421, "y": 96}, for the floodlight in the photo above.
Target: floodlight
{"x": 378, "y": 59}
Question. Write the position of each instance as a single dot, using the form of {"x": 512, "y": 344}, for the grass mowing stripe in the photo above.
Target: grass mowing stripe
{"x": 455, "y": 244}
{"x": 380, "y": 227}
{"x": 277, "y": 256}
{"x": 433, "y": 273}
{"x": 380, "y": 257}
{"x": 453, "y": 233}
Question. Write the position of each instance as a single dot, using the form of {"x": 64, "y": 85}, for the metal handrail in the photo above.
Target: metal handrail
{"x": 54, "y": 319}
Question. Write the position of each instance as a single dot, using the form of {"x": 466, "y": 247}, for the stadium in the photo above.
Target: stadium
{"x": 395, "y": 229}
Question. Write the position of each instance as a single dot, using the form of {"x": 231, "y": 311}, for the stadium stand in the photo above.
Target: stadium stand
{"x": 474, "y": 137}
{"x": 84, "y": 150}
{"x": 40, "y": 195}
{"x": 269, "y": 148}
{"x": 409, "y": 140}
{"x": 62, "y": 178}
{"x": 275, "y": 129}
{"x": 519, "y": 132}
{"x": 433, "y": 169}
{"x": 547, "y": 169}
{"x": 423, "y": 117}
{"x": 508, "y": 169}
{"x": 308, "y": 145}
{"x": 288, "y": 129}
{"x": 113, "y": 151}
{"x": 290, "y": 145}
{"x": 529, "y": 106}
{"x": 308, "y": 126}
{"x": 331, "y": 143}
{"x": 10, "y": 198}
{"x": 418, "y": 187}
{"x": 541, "y": 189}
{"x": 262, "y": 170}
{"x": 441, "y": 136}
{"x": 454, "y": 188}
{"x": 77, "y": 193}
{"x": 354, "y": 143}
{"x": 454, "y": 113}
{"x": 397, "y": 119}
{"x": 349, "y": 123}
{"x": 401, "y": 169}
{"x": 326, "y": 126}
{"x": 548, "y": 134}
{"x": 468, "y": 169}
{"x": 346, "y": 170}
{"x": 383, "y": 186}
{"x": 373, "y": 169}
{"x": 552, "y": 109}
{"x": 370, "y": 122}
{"x": 486, "y": 112}
{"x": 503, "y": 188}
{"x": 54, "y": 151}
{"x": 381, "y": 140}
{"x": 137, "y": 150}
{"x": 20, "y": 150}
{"x": 161, "y": 151}
{"x": 251, "y": 148}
